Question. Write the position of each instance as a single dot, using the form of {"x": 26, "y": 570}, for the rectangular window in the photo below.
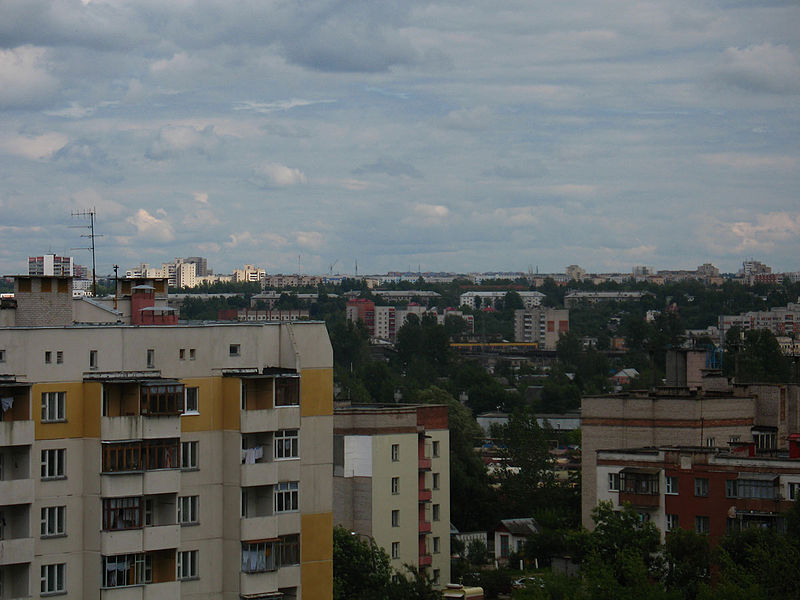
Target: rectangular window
{"x": 187, "y": 564}
{"x": 182, "y": 354}
{"x": 53, "y": 579}
{"x": 437, "y": 576}
{"x": 187, "y": 510}
{"x": 287, "y": 391}
{"x": 395, "y": 518}
{"x": 395, "y": 452}
{"x": 151, "y": 358}
{"x": 53, "y": 407}
{"x": 286, "y": 444}
{"x": 258, "y": 557}
{"x": 711, "y": 442}
{"x": 2, "y": 356}
{"x": 191, "y": 400}
{"x": 59, "y": 357}
{"x": 53, "y": 463}
{"x": 122, "y": 513}
{"x": 192, "y": 353}
{"x": 435, "y": 509}
{"x": 672, "y": 522}
{"x": 435, "y": 449}
{"x": 437, "y": 543}
{"x": 138, "y": 456}
{"x": 234, "y": 349}
{"x": 287, "y": 496}
{"x": 751, "y": 488}
{"x": 794, "y": 491}
{"x": 395, "y": 549}
{"x": 189, "y": 452}
{"x": 613, "y": 482}
{"x": 288, "y": 550}
{"x": 53, "y": 521}
{"x": 127, "y": 569}
{"x": 701, "y": 524}
{"x": 92, "y": 359}
{"x": 48, "y": 357}
{"x": 395, "y": 485}
{"x": 670, "y": 485}
{"x": 701, "y": 486}
{"x": 436, "y": 481}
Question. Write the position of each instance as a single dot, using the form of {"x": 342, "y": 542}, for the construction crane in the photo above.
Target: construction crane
{"x": 330, "y": 267}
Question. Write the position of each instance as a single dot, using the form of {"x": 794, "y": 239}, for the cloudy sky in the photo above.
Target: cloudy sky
{"x": 463, "y": 135}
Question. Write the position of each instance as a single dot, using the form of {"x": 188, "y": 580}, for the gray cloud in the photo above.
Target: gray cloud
{"x": 388, "y": 166}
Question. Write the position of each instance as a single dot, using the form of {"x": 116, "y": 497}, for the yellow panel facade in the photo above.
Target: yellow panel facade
{"x": 316, "y": 580}
{"x": 72, "y": 426}
{"x": 316, "y": 392}
{"x": 230, "y": 400}
{"x": 210, "y": 415}
{"x": 316, "y": 561}
{"x": 92, "y": 401}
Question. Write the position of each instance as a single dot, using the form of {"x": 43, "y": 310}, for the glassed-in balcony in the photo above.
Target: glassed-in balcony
{"x": 261, "y": 395}
{"x": 16, "y": 541}
{"x": 141, "y": 408}
{"x": 139, "y": 523}
{"x": 16, "y": 424}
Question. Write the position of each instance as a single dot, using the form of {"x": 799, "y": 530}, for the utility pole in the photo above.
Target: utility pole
{"x": 91, "y": 235}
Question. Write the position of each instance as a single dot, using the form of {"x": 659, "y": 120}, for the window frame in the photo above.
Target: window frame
{"x": 701, "y": 487}
{"x": 53, "y": 579}
{"x": 671, "y": 485}
{"x": 286, "y": 497}
{"x": 195, "y": 392}
{"x": 123, "y": 513}
{"x": 234, "y": 349}
{"x": 54, "y": 407}
{"x": 190, "y": 459}
{"x": 151, "y": 358}
{"x": 186, "y": 570}
{"x": 188, "y": 510}
{"x": 395, "y": 486}
{"x": 672, "y": 522}
{"x": 283, "y": 440}
{"x": 436, "y": 512}
{"x": 53, "y": 521}
{"x": 435, "y": 449}
{"x": 395, "y": 517}
{"x": 93, "y": 359}
{"x": 613, "y": 482}
{"x": 702, "y": 524}
{"x": 53, "y": 464}
{"x": 395, "y": 452}
{"x": 395, "y": 549}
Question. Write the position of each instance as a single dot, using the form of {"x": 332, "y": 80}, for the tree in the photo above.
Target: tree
{"x": 688, "y": 559}
{"x": 756, "y": 357}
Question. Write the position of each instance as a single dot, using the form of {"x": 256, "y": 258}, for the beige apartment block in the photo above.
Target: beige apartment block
{"x": 392, "y": 482}
{"x": 543, "y": 326}
{"x": 176, "y": 461}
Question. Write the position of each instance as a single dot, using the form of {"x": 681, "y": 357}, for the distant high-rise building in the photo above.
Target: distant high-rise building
{"x": 50, "y": 265}
{"x": 201, "y": 264}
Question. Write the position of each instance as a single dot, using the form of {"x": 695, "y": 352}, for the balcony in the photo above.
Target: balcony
{"x": 16, "y": 433}
{"x": 425, "y": 495}
{"x": 16, "y": 491}
{"x": 15, "y": 551}
{"x": 15, "y": 581}
{"x": 425, "y": 560}
{"x": 254, "y": 584}
{"x": 136, "y": 427}
{"x": 166, "y": 590}
{"x": 425, "y": 527}
{"x": 269, "y": 419}
{"x": 639, "y": 486}
{"x": 640, "y": 500}
{"x": 269, "y": 527}
{"x": 424, "y": 464}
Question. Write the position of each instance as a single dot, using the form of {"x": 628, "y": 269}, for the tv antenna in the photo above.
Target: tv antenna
{"x": 91, "y": 235}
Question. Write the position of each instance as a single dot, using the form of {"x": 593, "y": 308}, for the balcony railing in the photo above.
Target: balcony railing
{"x": 424, "y": 464}
{"x": 425, "y": 527}
{"x": 425, "y": 495}
{"x": 425, "y": 560}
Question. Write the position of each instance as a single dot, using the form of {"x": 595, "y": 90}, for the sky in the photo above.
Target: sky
{"x": 443, "y": 136}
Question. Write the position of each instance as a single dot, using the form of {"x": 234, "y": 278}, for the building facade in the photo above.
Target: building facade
{"x": 541, "y": 325}
{"x": 166, "y": 461}
{"x": 392, "y": 482}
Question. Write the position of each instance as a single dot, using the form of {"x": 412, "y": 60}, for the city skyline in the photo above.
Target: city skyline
{"x": 428, "y": 136}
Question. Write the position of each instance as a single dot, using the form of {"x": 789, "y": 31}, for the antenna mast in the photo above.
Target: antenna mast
{"x": 91, "y": 235}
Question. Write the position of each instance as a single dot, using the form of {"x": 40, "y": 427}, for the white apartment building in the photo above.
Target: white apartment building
{"x": 541, "y": 325}
{"x": 484, "y": 299}
{"x": 172, "y": 461}
{"x": 392, "y": 482}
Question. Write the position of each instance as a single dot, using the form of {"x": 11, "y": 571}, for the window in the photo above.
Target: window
{"x": 734, "y": 439}
{"x": 395, "y": 549}
{"x": 2, "y": 356}
{"x": 670, "y": 485}
{"x": 711, "y": 442}
{"x": 672, "y": 522}
{"x": 395, "y": 485}
{"x": 286, "y": 444}
{"x": 53, "y": 521}
{"x": 127, "y": 569}
{"x": 260, "y": 557}
{"x": 436, "y": 481}
{"x": 92, "y": 359}
{"x": 287, "y": 391}
{"x": 187, "y": 564}
{"x": 435, "y": 449}
{"x": 234, "y": 349}
{"x": 395, "y": 452}
{"x": 287, "y": 496}
{"x": 794, "y": 491}
{"x": 701, "y": 524}
{"x": 53, "y": 407}
{"x": 138, "y": 456}
{"x": 192, "y": 353}
{"x": 59, "y": 357}
{"x": 437, "y": 543}
{"x": 151, "y": 358}
{"x": 122, "y": 513}
{"x": 751, "y": 488}
{"x": 288, "y": 550}
{"x": 437, "y": 575}
{"x": 48, "y": 357}
{"x": 189, "y": 455}
{"x": 395, "y": 518}
{"x": 148, "y": 512}
{"x": 765, "y": 440}
{"x": 701, "y": 486}
{"x": 435, "y": 510}
{"x": 191, "y": 400}
{"x": 182, "y": 354}
{"x": 53, "y": 463}
{"x": 159, "y": 399}
{"x": 187, "y": 510}
{"x": 54, "y": 579}
{"x": 613, "y": 482}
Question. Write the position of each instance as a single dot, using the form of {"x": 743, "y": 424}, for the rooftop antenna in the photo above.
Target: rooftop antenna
{"x": 91, "y": 235}
{"x": 356, "y": 267}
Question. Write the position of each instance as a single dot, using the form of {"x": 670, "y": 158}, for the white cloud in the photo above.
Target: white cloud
{"x": 36, "y": 147}
{"x": 312, "y": 240}
{"x": 268, "y": 107}
{"x": 175, "y": 140}
{"x": 200, "y": 197}
{"x": 24, "y": 78}
{"x": 281, "y": 175}
{"x": 151, "y": 228}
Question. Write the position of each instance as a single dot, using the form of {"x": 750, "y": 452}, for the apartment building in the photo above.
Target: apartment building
{"x": 170, "y": 461}
{"x": 476, "y": 300}
{"x": 708, "y": 490}
{"x": 540, "y": 325}
{"x": 50, "y": 264}
{"x": 392, "y": 482}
